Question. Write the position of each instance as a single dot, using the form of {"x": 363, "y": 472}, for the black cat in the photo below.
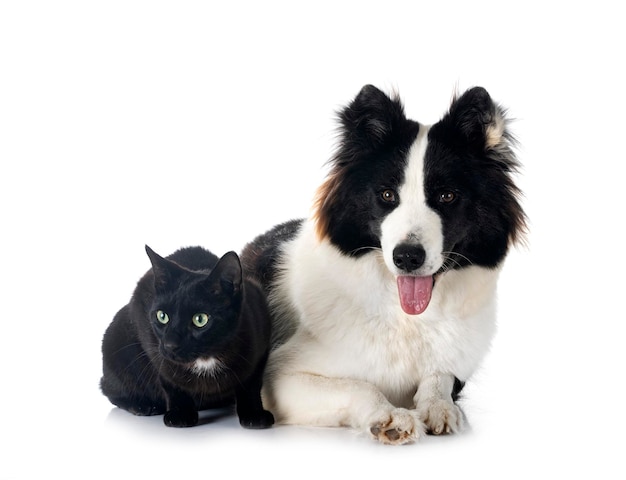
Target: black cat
{"x": 194, "y": 336}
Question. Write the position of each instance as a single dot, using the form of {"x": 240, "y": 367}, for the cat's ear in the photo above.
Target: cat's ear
{"x": 227, "y": 274}
{"x": 165, "y": 272}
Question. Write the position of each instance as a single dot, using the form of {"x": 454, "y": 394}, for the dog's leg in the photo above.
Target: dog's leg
{"x": 307, "y": 399}
{"x": 433, "y": 402}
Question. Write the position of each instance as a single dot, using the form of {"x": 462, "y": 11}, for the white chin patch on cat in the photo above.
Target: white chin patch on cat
{"x": 206, "y": 366}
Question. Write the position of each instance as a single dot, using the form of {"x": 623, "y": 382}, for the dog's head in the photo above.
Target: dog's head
{"x": 430, "y": 198}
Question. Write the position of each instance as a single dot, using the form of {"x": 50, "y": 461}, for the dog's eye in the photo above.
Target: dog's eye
{"x": 447, "y": 197}
{"x": 389, "y": 196}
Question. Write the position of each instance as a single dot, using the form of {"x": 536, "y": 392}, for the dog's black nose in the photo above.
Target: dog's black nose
{"x": 408, "y": 257}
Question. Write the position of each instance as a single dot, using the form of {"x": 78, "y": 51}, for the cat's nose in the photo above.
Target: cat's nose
{"x": 171, "y": 349}
{"x": 171, "y": 345}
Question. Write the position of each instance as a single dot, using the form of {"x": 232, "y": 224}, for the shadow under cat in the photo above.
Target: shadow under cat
{"x": 205, "y": 417}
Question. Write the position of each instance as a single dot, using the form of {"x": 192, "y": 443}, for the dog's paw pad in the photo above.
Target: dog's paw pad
{"x": 401, "y": 426}
{"x": 442, "y": 417}
{"x": 391, "y": 436}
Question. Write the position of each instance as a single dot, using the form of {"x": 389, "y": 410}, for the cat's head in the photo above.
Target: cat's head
{"x": 194, "y": 313}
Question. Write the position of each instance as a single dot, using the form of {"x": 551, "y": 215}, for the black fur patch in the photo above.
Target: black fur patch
{"x": 371, "y": 157}
{"x": 258, "y": 258}
{"x": 466, "y": 157}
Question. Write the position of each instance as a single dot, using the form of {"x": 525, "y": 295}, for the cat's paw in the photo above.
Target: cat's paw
{"x": 257, "y": 420}
{"x": 146, "y": 410}
{"x": 397, "y": 427}
{"x": 181, "y": 418}
{"x": 442, "y": 417}
{"x": 141, "y": 407}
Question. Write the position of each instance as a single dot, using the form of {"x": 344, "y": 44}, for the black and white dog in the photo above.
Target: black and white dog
{"x": 384, "y": 299}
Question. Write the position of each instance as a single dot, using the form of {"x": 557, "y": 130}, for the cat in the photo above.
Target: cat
{"x": 194, "y": 336}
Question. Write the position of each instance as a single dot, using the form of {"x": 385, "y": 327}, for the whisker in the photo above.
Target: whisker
{"x": 453, "y": 258}
{"x": 356, "y": 250}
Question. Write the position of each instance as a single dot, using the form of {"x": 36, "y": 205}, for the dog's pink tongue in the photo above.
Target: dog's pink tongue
{"x": 414, "y": 293}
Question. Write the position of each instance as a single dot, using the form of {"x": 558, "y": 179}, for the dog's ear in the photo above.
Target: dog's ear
{"x": 478, "y": 119}
{"x": 370, "y": 119}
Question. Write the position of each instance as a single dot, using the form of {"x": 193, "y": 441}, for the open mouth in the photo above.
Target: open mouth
{"x": 415, "y": 293}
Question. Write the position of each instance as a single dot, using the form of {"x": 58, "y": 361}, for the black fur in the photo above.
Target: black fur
{"x": 375, "y": 137}
{"x": 148, "y": 366}
{"x": 259, "y": 256}
{"x": 485, "y": 216}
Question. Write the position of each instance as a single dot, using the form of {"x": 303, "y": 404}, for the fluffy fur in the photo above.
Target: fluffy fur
{"x": 383, "y": 301}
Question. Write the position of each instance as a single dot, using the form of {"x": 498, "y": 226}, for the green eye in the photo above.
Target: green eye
{"x": 162, "y": 317}
{"x": 200, "y": 319}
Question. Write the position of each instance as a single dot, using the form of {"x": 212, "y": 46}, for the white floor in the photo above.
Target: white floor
{"x": 125, "y": 123}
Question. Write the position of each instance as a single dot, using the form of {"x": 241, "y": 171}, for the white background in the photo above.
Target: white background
{"x": 180, "y": 123}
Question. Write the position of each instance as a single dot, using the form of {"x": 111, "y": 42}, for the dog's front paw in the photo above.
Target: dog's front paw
{"x": 398, "y": 427}
{"x": 442, "y": 417}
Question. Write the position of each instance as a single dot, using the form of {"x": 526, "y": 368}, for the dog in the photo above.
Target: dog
{"x": 383, "y": 300}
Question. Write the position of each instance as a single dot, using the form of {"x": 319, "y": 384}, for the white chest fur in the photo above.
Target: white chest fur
{"x": 351, "y": 324}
